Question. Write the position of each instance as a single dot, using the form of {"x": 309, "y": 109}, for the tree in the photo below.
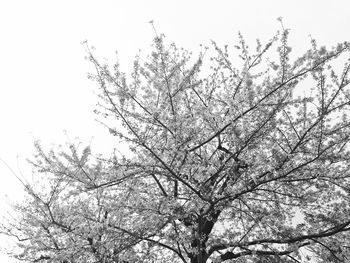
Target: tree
{"x": 226, "y": 164}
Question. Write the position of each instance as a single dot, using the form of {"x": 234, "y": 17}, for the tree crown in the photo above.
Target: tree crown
{"x": 223, "y": 161}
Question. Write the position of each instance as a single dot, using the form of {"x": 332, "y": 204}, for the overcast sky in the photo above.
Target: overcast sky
{"x": 43, "y": 85}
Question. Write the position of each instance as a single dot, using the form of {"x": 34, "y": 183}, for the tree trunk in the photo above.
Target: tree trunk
{"x": 201, "y": 258}
{"x": 204, "y": 229}
{"x": 198, "y": 260}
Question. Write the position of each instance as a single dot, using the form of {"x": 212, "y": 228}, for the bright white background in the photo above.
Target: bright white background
{"x": 43, "y": 85}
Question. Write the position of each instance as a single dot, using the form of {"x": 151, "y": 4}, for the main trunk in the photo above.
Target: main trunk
{"x": 201, "y": 236}
{"x": 200, "y": 255}
{"x": 198, "y": 259}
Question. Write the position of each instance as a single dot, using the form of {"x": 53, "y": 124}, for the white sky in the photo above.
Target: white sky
{"x": 43, "y": 85}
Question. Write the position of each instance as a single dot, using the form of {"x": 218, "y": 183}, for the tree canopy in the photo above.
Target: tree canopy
{"x": 236, "y": 155}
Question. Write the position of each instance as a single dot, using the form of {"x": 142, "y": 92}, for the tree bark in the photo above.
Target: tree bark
{"x": 204, "y": 229}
